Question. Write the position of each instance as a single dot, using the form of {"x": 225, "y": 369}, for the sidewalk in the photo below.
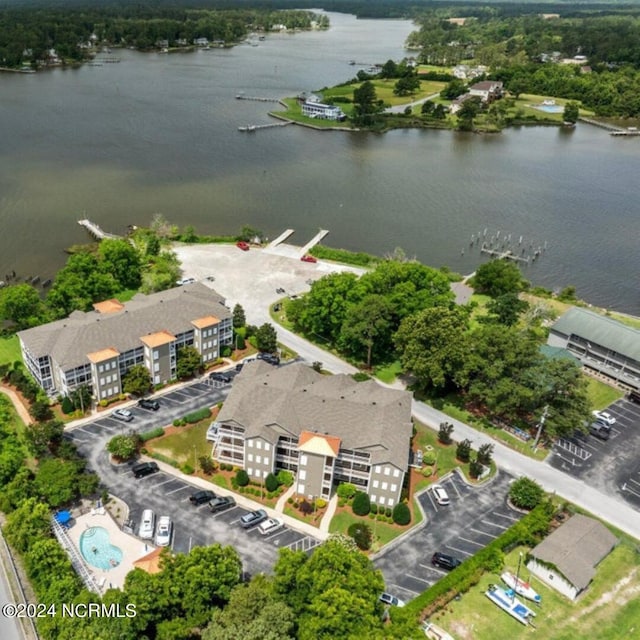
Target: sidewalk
{"x": 17, "y": 403}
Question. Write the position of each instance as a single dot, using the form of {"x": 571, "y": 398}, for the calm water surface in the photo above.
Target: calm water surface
{"x": 158, "y": 133}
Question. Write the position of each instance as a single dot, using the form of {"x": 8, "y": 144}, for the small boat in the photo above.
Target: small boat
{"x": 520, "y": 586}
{"x": 35, "y": 279}
{"x": 507, "y": 601}
{"x": 47, "y": 282}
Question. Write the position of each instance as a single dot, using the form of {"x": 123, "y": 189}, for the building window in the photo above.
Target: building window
{"x": 373, "y": 498}
{"x": 394, "y": 487}
{"x": 396, "y": 473}
{"x": 301, "y": 489}
{"x": 101, "y": 368}
{"x": 376, "y": 484}
{"x": 101, "y": 381}
{"x": 265, "y": 460}
{"x": 384, "y": 486}
{"x": 302, "y": 474}
{"x": 267, "y": 446}
{"x": 250, "y": 443}
{"x": 250, "y": 471}
{"x": 156, "y": 379}
{"x": 303, "y": 460}
{"x": 390, "y": 502}
{"x": 258, "y": 459}
{"x": 378, "y": 469}
{"x": 156, "y": 366}
{"x": 259, "y": 444}
{"x": 387, "y": 471}
{"x": 250, "y": 457}
{"x": 156, "y": 355}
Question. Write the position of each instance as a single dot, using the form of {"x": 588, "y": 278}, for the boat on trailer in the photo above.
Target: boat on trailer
{"x": 520, "y": 586}
{"x": 507, "y": 601}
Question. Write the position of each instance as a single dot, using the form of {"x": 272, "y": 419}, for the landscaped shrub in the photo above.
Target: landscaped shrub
{"x": 196, "y": 416}
{"x": 361, "y": 534}
{"x": 289, "y": 500}
{"x": 67, "y": 406}
{"x": 271, "y": 482}
{"x": 305, "y": 507}
{"x": 346, "y": 490}
{"x": 475, "y": 468}
{"x": 361, "y": 504}
{"x": 187, "y": 469}
{"x": 321, "y": 503}
{"x": 426, "y": 471}
{"x": 167, "y": 459}
{"x": 401, "y": 514}
{"x": 285, "y": 478}
{"x": 463, "y": 450}
{"x": 153, "y": 433}
{"x": 429, "y": 457}
{"x": 242, "y": 478}
{"x": 525, "y": 493}
{"x": 123, "y": 447}
{"x": 388, "y": 512}
{"x": 444, "y": 433}
{"x": 207, "y": 465}
{"x": 485, "y": 454}
{"x": 374, "y": 508}
{"x": 361, "y": 376}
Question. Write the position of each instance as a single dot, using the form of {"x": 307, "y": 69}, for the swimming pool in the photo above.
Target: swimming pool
{"x": 97, "y": 550}
{"x": 550, "y": 108}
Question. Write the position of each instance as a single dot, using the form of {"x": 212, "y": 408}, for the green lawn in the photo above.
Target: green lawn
{"x": 10, "y": 350}
{"x": 608, "y": 610}
{"x": 602, "y": 395}
{"x": 389, "y": 372}
{"x": 630, "y": 321}
{"x": 185, "y": 445}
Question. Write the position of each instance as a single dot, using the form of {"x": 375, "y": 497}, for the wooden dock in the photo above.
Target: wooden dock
{"x": 603, "y": 125}
{"x": 241, "y": 96}
{"x": 96, "y": 231}
{"x": 255, "y": 127}
{"x": 503, "y": 255}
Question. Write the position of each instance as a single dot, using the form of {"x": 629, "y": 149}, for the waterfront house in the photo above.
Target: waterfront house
{"x": 99, "y": 347}
{"x": 324, "y": 429}
{"x": 488, "y": 90}
{"x": 201, "y": 42}
{"x": 315, "y": 109}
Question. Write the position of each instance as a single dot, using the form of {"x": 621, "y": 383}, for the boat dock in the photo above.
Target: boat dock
{"x": 631, "y": 131}
{"x": 241, "y": 96}
{"x": 612, "y": 128}
{"x": 96, "y": 231}
{"x": 281, "y": 238}
{"x": 314, "y": 241}
{"x": 255, "y": 127}
{"x": 503, "y": 255}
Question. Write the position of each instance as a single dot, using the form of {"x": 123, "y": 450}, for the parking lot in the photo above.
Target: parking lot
{"x": 609, "y": 465}
{"x": 167, "y": 495}
{"x": 475, "y": 517}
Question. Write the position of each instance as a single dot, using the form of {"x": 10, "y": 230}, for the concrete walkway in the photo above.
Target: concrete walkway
{"x": 326, "y": 518}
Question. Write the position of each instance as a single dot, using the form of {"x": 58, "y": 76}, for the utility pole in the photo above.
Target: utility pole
{"x": 543, "y": 417}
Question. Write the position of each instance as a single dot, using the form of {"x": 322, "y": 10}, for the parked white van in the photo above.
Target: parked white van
{"x": 147, "y": 525}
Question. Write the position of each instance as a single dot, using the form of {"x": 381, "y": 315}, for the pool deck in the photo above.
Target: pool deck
{"x": 132, "y": 548}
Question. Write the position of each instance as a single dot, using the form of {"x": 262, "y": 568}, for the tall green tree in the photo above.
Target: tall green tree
{"x": 137, "y": 380}
{"x": 267, "y": 338}
{"x": 239, "y": 318}
{"x": 21, "y": 304}
{"x": 497, "y": 277}
{"x": 506, "y": 309}
{"x": 120, "y": 259}
{"x": 188, "y": 362}
{"x": 365, "y": 104}
{"x": 571, "y": 112}
{"x": 433, "y": 345}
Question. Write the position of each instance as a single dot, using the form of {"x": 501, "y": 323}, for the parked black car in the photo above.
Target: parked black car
{"x": 220, "y": 377}
{"x": 239, "y": 366}
{"x": 202, "y": 496}
{"x": 445, "y": 561}
{"x": 147, "y": 403}
{"x": 253, "y": 518}
{"x": 220, "y": 503}
{"x": 143, "y": 469}
{"x": 600, "y": 430}
{"x": 270, "y": 358}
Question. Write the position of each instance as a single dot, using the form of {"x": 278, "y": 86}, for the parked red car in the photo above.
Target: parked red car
{"x": 308, "y": 258}
{"x": 242, "y": 245}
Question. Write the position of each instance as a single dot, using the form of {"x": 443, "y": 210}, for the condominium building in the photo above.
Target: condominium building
{"x": 324, "y": 429}
{"x": 605, "y": 346}
{"x": 99, "y": 347}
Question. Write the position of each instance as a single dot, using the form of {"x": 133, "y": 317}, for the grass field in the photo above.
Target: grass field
{"x": 185, "y": 445}
{"x": 602, "y": 395}
{"x": 389, "y": 372}
{"x": 608, "y": 610}
{"x": 10, "y": 350}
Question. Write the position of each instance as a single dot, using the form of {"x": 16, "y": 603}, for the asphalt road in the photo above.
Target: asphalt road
{"x": 475, "y": 517}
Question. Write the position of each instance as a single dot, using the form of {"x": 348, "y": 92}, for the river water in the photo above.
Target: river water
{"x": 159, "y": 134}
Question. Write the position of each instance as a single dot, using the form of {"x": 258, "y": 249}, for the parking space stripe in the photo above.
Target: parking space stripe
{"x": 478, "y": 544}
{"x": 494, "y": 524}
{"x": 504, "y": 515}
{"x": 482, "y": 533}
{"x": 466, "y": 553}
{"x": 176, "y": 490}
{"x": 397, "y": 587}
{"x": 418, "y": 579}
{"x": 634, "y": 481}
{"x": 170, "y": 479}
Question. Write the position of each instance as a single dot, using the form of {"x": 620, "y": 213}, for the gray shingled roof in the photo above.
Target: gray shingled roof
{"x": 576, "y": 548}
{"x": 69, "y": 341}
{"x": 600, "y": 330}
{"x": 364, "y": 415}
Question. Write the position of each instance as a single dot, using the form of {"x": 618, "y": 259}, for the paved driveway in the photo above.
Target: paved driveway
{"x": 612, "y": 465}
{"x": 475, "y": 517}
{"x": 168, "y": 495}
